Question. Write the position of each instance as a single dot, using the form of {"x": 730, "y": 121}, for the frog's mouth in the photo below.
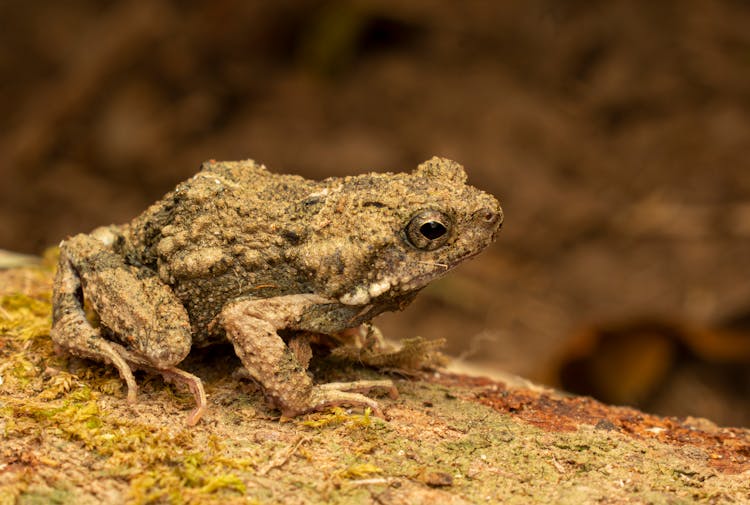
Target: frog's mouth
{"x": 420, "y": 281}
{"x": 435, "y": 271}
{"x": 399, "y": 286}
{"x": 388, "y": 286}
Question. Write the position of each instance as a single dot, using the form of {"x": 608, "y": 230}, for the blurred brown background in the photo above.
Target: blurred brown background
{"x": 616, "y": 135}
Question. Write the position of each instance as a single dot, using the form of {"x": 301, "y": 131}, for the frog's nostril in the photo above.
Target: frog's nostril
{"x": 491, "y": 217}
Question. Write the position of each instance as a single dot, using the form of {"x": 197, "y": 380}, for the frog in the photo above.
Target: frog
{"x": 240, "y": 254}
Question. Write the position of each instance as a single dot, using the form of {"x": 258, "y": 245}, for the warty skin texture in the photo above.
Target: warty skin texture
{"x": 239, "y": 253}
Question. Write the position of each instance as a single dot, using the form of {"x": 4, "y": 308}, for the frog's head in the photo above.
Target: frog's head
{"x": 378, "y": 238}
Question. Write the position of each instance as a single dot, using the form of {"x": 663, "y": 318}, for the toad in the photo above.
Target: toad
{"x": 240, "y": 254}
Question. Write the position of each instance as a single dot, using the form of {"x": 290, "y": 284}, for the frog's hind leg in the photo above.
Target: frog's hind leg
{"x": 252, "y": 325}
{"x": 149, "y": 325}
{"x": 72, "y": 331}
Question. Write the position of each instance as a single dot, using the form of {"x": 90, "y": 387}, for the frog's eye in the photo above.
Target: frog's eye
{"x": 428, "y": 230}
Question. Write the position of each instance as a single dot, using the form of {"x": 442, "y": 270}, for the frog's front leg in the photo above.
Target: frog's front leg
{"x": 143, "y": 324}
{"x": 252, "y": 326}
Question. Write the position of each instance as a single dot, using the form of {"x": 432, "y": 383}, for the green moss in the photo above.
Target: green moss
{"x": 359, "y": 471}
{"x": 45, "y": 496}
{"x": 23, "y": 317}
{"x": 162, "y": 464}
{"x": 190, "y": 482}
{"x": 339, "y": 416}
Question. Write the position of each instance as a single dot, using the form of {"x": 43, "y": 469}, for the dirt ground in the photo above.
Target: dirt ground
{"x": 614, "y": 133}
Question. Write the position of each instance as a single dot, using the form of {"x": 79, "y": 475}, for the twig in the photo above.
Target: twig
{"x": 282, "y": 456}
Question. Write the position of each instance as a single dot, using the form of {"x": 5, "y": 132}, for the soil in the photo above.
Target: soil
{"x": 614, "y": 133}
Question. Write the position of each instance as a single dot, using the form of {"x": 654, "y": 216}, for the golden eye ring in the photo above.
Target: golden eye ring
{"x": 428, "y": 230}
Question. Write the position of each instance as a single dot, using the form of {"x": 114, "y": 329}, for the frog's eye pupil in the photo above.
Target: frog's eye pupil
{"x": 433, "y": 230}
{"x": 428, "y": 230}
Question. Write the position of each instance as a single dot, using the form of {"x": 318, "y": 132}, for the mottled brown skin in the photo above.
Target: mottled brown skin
{"x": 238, "y": 253}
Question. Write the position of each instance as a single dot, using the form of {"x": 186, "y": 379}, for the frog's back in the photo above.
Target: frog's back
{"x": 251, "y": 186}
{"x": 223, "y": 199}
{"x": 221, "y": 235}
{"x": 245, "y": 172}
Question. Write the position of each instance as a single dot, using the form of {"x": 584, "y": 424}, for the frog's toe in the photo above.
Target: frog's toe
{"x": 194, "y": 383}
{"x": 362, "y": 386}
{"x": 334, "y": 394}
{"x": 170, "y": 374}
{"x": 132, "y": 396}
{"x": 75, "y": 335}
{"x": 324, "y": 399}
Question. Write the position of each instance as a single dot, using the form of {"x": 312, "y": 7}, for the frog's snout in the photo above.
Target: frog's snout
{"x": 490, "y": 218}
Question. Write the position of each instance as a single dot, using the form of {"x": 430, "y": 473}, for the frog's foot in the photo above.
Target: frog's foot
{"x": 74, "y": 334}
{"x": 361, "y": 386}
{"x": 173, "y": 375}
{"x": 346, "y": 393}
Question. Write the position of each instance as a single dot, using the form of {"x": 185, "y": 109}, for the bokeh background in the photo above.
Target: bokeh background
{"x": 615, "y": 133}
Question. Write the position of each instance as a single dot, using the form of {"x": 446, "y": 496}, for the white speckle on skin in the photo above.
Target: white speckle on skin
{"x": 378, "y": 288}
{"x": 318, "y": 194}
{"x": 104, "y": 235}
{"x": 199, "y": 262}
{"x": 358, "y": 297}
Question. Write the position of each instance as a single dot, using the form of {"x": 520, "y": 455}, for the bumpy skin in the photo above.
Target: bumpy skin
{"x": 239, "y": 253}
